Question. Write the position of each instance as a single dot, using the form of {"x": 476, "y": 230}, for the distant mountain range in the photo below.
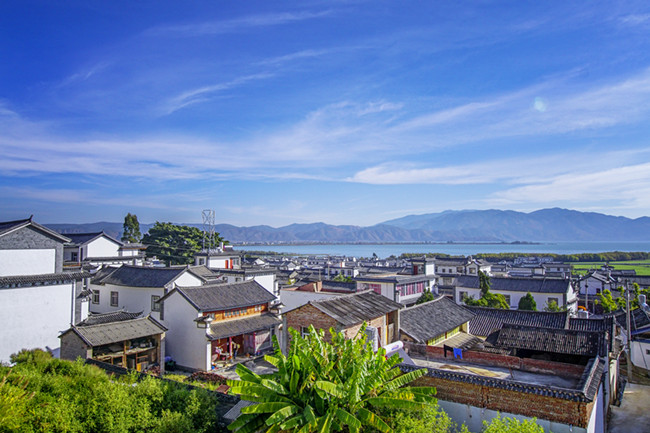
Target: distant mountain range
{"x": 546, "y": 225}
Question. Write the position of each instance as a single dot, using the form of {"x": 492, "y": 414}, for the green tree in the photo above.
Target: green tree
{"x": 527, "y": 303}
{"x": 326, "y": 387}
{"x": 174, "y": 244}
{"x": 426, "y": 297}
{"x": 487, "y": 299}
{"x": 131, "y": 229}
{"x": 606, "y": 301}
{"x": 342, "y": 278}
{"x": 511, "y": 425}
{"x": 553, "y": 307}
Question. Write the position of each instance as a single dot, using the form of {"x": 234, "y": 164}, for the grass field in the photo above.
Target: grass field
{"x": 642, "y": 267}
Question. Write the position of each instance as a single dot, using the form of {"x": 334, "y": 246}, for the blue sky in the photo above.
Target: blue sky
{"x": 350, "y": 112}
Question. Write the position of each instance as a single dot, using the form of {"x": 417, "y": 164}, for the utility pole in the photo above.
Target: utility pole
{"x": 629, "y": 332}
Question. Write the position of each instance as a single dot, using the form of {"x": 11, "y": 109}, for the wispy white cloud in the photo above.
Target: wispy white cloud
{"x": 237, "y": 24}
{"x": 204, "y": 93}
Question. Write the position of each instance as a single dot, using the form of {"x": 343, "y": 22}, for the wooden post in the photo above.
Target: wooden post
{"x": 230, "y": 346}
{"x": 124, "y": 356}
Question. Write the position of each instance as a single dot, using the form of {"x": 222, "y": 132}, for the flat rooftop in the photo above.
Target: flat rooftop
{"x": 497, "y": 372}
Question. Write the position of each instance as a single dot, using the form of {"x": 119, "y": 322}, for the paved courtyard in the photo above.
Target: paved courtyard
{"x": 634, "y": 414}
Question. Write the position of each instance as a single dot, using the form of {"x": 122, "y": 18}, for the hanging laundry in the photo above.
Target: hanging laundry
{"x": 458, "y": 353}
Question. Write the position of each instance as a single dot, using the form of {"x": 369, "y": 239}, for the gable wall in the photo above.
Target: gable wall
{"x": 30, "y": 252}
{"x": 33, "y": 317}
{"x": 187, "y": 344}
{"x": 310, "y": 315}
{"x": 187, "y": 279}
{"x": 101, "y": 247}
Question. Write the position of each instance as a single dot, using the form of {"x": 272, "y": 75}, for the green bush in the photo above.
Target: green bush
{"x": 42, "y": 394}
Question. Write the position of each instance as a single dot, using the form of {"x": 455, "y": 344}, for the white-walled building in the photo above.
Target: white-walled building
{"x": 37, "y": 299}
{"x": 100, "y": 249}
{"x": 543, "y": 290}
{"x": 405, "y": 289}
{"x": 209, "y": 323}
{"x": 137, "y": 288}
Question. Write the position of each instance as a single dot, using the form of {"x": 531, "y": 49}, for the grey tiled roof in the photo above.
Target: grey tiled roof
{"x": 138, "y": 276}
{"x": 489, "y": 319}
{"x": 426, "y": 321}
{"x": 564, "y": 341}
{"x": 397, "y": 279}
{"x": 83, "y": 238}
{"x": 356, "y": 308}
{"x": 639, "y": 319}
{"x": 512, "y": 284}
{"x": 216, "y": 297}
{"x": 114, "y": 332}
{"x": 115, "y": 316}
{"x": 43, "y": 278}
{"x": 245, "y": 325}
{"x": 7, "y": 226}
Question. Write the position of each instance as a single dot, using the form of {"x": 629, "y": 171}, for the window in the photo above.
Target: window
{"x": 74, "y": 256}
{"x": 114, "y": 299}
{"x": 304, "y": 331}
{"x": 95, "y": 297}
{"x": 647, "y": 351}
{"x": 155, "y": 305}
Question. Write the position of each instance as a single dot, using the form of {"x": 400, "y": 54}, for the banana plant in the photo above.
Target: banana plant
{"x": 324, "y": 387}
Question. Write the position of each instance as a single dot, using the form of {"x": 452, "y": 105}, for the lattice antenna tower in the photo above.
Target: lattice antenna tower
{"x": 208, "y": 228}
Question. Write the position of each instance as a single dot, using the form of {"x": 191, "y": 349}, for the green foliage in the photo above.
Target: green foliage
{"x": 326, "y": 387}
{"x": 511, "y": 425}
{"x": 552, "y": 307}
{"x": 174, "y": 244}
{"x": 342, "y": 278}
{"x": 131, "y": 229}
{"x": 527, "y": 303}
{"x": 483, "y": 283}
{"x": 42, "y": 394}
{"x": 426, "y": 297}
{"x": 487, "y": 299}
{"x": 429, "y": 420}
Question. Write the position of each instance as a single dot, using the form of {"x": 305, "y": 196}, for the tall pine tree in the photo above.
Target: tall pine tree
{"x": 131, "y": 232}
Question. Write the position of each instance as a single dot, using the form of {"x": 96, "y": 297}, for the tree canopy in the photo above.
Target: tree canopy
{"x": 487, "y": 299}
{"x": 131, "y": 229}
{"x": 527, "y": 302}
{"x": 426, "y": 297}
{"x": 326, "y": 387}
{"x": 175, "y": 244}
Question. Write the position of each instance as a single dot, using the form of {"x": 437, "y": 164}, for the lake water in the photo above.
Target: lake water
{"x": 386, "y": 250}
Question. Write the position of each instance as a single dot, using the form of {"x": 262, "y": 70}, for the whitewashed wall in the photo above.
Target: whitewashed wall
{"x": 295, "y": 298}
{"x": 188, "y": 280}
{"x": 101, "y": 247}
{"x": 131, "y": 299}
{"x": 184, "y": 342}
{"x": 640, "y": 355}
{"x": 33, "y": 317}
{"x": 27, "y": 262}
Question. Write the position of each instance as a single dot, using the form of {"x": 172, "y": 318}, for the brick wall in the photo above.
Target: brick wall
{"x": 503, "y": 400}
{"x": 309, "y": 315}
{"x": 73, "y": 347}
{"x": 483, "y": 358}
